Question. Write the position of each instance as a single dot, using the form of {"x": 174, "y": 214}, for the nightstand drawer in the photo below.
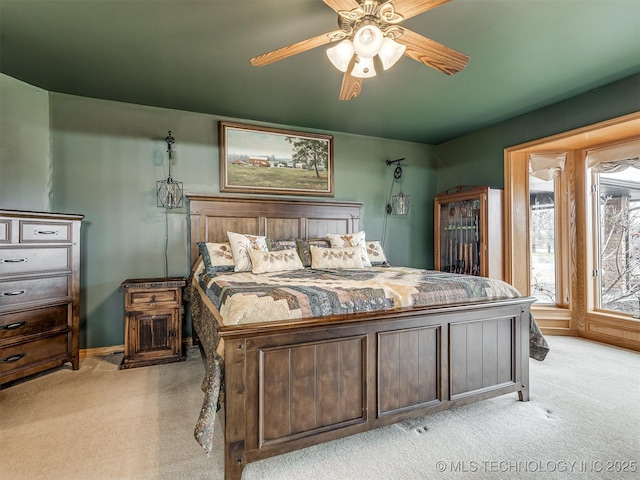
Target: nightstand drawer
{"x": 18, "y": 292}
{"x": 44, "y": 232}
{"x": 25, "y": 354}
{"x": 17, "y": 261}
{"x": 35, "y": 321}
{"x": 156, "y": 297}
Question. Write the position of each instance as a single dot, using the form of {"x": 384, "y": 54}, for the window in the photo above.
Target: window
{"x": 585, "y": 271}
{"x": 546, "y": 207}
{"x": 542, "y": 232}
{"x": 616, "y": 205}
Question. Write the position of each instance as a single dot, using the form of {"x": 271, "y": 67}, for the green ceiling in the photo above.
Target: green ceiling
{"x": 194, "y": 55}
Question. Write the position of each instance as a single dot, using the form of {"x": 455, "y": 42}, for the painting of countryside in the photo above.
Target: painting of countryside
{"x": 265, "y": 160}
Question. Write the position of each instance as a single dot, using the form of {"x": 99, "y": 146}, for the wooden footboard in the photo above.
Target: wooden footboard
{"x": 289, "y": 386}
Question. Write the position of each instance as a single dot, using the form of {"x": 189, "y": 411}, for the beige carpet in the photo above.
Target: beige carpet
{"x": 583, "y": 421}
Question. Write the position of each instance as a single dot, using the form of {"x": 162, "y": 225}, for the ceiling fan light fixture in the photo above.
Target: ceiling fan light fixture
{"x": 368, "y": 40}
{"x": 366, "y": 25}
{"x": 341, "y": 54}
{"x": 363, "y": 68}
{"x": 390, "y": 52}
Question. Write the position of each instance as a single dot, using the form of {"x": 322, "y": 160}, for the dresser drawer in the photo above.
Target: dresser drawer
{"x": 19, "y": 292}
{"x": 25, "y": 354}
{"x": 35, "y": 321}
{"x": 16, "y": 261}
{"x": 5, "y": 230}
{"x": 38, "y": 231}
{"x": 136, "y": 299}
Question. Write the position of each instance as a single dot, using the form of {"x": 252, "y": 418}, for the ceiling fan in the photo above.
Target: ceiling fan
{"x": 369, "y": 29}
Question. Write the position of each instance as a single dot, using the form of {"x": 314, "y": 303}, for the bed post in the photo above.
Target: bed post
{"x": 234, "y": 410}
{"x": 525, "y": 318}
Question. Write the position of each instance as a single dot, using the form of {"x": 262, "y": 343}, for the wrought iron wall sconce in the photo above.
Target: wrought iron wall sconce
{"x": 398, "y": 204}
{"x": 169, "y": 191}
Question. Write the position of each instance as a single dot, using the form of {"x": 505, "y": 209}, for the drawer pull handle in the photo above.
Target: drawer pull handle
{"x": 14, "y": 358}
{"x": 153, "y": 299}
{"x": 13, "y": 326}
{"x": 46, "y": 232}
{"x": 11, "y": 294}
{"x": 13, "y": 260}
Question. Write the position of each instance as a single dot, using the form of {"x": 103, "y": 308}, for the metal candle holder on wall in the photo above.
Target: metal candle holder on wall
{"x": 398, "y": 204}
{"x": 169, "y": 191}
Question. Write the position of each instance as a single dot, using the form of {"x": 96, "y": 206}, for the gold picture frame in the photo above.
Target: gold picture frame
{"x": 257, "y": 159}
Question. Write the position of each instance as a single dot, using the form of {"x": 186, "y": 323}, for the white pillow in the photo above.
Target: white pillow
{"x": 240, "y": 246}
{"x": 217, "y": 257}
{"x": 376, "y": 254}
{"x": 275, "y": 261}
{"x": 339, "y": 257}
{"x": 351, "y": 240}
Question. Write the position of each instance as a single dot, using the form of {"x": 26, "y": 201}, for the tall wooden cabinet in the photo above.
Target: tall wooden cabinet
{"x": 39, "y": 292}
{"x": 468, "y": 231}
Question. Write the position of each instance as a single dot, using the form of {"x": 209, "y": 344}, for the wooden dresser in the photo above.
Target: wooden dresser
{"x": 39, "y": 292}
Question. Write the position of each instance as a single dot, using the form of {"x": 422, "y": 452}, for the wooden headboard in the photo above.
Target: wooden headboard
{"x": 211, "y": 217}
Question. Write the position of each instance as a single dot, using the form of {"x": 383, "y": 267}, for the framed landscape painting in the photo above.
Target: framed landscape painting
{"x": 269, "y": 160}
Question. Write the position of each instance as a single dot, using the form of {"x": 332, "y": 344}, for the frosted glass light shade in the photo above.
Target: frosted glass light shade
{"x": 367, "y": 41}
{"x": 390, "y": 52}
{"x": 363, "y": 68}
{"x": 341, "y": 54}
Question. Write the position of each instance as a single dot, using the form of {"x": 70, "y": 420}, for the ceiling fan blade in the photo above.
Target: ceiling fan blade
{"x": 295, "y": 48}
{"x": 432, "y": 53}
{"x": 339, "y": 5}
{"x": 411, "y": 8}
{"x": 351, "y": 86}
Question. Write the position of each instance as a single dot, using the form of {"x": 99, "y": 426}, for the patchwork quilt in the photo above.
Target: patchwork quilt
{"x": 247, "y": 298}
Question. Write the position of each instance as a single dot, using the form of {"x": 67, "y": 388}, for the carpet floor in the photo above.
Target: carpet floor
{"x": 583, "y": 421}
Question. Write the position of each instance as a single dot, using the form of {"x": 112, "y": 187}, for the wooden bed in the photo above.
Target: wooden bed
{"x": 290, "y": 385}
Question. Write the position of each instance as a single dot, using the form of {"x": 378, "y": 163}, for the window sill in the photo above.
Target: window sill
{"x": 553, "y": 320}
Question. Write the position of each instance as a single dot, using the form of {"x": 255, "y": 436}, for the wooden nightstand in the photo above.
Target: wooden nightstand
{"x": 153, "y": 321}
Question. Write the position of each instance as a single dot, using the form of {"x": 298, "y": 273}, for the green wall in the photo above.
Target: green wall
{"x": 25, "y": 164}
{"x": 478, "y": 158}
{"x": 107, "y": 157}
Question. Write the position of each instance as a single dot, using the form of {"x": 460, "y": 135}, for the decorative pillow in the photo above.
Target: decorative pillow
{"x": 351, "y": 240}
{"x": 376, "y": 254}
{"x": 240, "y": 246}
{"x": 303, "y": 248}
{"x": 338, "y": 257}
{"x": 217, "y": 257}
{"x": 278, "y": 261}
{"x": 275, "y": 245}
